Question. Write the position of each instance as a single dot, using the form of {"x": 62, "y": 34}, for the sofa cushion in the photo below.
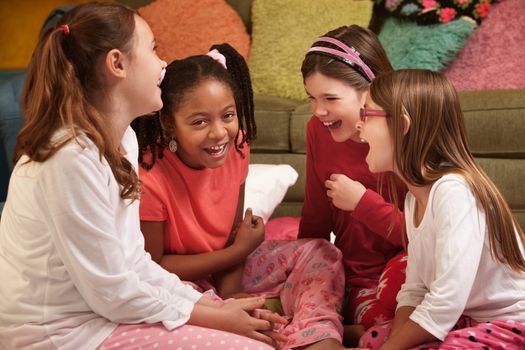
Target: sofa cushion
{"x": 495, "y": 122}
{"x": 493, "y": 57}
{"x": 272, "y": 115}
{"x": 11, "y": 120}
{"x": 186, "y": 27}
{"x": 409, "y": 45}
{"x": 300, "y": 117}
{"x": 508, "y": 175}
{"x": 284, "y": 30}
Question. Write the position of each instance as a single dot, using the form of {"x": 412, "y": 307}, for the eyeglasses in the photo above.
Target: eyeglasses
{"x": 366, "y": 112}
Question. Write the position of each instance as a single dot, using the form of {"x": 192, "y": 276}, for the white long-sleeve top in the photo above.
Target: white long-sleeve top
{"x": 72, "y": 257}
{"x": 450, "y": 270}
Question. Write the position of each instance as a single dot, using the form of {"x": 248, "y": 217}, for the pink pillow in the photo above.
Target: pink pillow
{"x": 284, "y": 228}
{"x": 188, "y": 27}
{"x": 493, "y": 57}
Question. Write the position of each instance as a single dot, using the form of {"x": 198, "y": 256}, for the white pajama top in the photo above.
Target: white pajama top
{"x": 72, "y": 259}
{"x": 450, "y": 269}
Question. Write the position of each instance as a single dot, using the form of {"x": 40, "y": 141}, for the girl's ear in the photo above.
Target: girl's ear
{"x": 115, "y": 63}
{"x": 406, "y": 123}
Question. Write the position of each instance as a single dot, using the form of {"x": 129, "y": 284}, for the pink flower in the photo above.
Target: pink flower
{"x": 483, "y": 9}
{"x": 429, "y": 4}
{"x": 447, "y": 14}
{"x": 462, "y": 2}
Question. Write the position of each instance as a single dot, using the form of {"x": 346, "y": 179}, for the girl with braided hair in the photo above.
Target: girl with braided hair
{"x": 71, "y": 250}
{"x": 194, "y": 159}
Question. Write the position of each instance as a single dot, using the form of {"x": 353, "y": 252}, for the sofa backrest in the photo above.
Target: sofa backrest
{"x": 495, "y": 122}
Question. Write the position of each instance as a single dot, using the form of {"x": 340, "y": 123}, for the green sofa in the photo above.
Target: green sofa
{"x": 495, "y": 122}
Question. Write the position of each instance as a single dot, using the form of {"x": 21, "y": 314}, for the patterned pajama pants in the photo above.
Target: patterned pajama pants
{"x": 467, "y": 334}
{"x": 372, "y": 302}
{"x": 308, "y": 277}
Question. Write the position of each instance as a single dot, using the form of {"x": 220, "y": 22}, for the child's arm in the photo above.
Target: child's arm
{"x": 366, "y": 205}
{"x": 197, "y": 266}
{"x": 229, "y": 281}
{"x": 407, "y": 334}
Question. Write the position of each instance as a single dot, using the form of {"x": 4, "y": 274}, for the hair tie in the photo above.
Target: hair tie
{"x": 217, "y": 56}
{"x": 65, "y": 29}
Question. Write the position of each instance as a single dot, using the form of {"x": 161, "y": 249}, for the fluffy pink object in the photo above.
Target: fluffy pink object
{"x": 494, "y": 56}
{"x": 187, "y": 27}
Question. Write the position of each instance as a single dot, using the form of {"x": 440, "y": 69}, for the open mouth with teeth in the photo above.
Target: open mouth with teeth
{"x": 216, "y": 151}
{"x": 333, "y": 124}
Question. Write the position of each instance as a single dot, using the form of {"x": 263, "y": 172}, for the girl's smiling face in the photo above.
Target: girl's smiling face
{"x": 336, "y": 104}
{"x": 375, "y": 131}
{"x": 206, "y": 125}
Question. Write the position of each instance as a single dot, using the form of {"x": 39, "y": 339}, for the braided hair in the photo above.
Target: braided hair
{"x": 181, "y": 77}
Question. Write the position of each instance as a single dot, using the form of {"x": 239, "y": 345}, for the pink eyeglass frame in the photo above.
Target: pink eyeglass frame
{"x": 367, "y": 112}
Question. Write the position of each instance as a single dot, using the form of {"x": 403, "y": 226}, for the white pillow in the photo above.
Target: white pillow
{"x": 266, "y": 186}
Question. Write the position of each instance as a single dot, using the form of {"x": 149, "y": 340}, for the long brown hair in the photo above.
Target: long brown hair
{"x": 63, "y": 80}
{"x": 436, "y": 145}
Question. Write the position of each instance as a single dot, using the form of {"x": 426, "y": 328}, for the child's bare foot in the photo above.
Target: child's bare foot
{"x": 352, "y": 334}
{"x": 326, "y": 344}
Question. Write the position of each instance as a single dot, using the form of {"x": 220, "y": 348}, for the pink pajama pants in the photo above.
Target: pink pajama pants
{"x": 308, "y": 277}
{"x": 467, "y": 334}
{"x": 155, "y": 336}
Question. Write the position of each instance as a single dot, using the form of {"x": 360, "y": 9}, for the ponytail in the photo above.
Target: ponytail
{"x": 62, "y": 81}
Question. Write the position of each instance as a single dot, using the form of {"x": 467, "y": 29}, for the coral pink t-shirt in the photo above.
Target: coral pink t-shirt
{"x": 197, "y": 205}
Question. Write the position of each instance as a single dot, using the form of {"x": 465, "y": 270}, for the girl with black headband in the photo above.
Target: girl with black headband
{"x": 337, "y": 72}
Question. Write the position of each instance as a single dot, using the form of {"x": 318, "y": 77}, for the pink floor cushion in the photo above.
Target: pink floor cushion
{"x": 187, "y": 27}
{"x": 284, "y": 228}
{"x": 494, "y": 55}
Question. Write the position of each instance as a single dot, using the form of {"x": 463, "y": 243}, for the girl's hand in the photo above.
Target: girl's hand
{"x": 344, "y": 192}
{"x": 275, "y": 320}
{"x": 238, "y": 314}
{"x": 250, "y": 233}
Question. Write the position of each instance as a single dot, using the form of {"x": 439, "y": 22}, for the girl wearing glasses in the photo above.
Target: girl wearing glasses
{"x": 465, "y": 277}
{"x": 337, "y": 72}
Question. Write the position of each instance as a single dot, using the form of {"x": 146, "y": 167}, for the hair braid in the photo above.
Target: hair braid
{"x": 151, "y": 139}
{"x": 238, "y": 70}
{"x": 181, "y": 77}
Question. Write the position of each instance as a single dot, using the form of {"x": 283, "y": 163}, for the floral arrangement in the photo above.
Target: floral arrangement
{"x": 436, "y": 11}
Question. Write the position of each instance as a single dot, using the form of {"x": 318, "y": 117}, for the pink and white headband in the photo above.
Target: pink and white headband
{"x": 349, "y": 55}
{"x": 217, "y": 56}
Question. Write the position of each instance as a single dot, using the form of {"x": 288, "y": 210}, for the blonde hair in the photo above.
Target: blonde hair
{"x": 436, "y": 145}
{"x": 63, "y": 80}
